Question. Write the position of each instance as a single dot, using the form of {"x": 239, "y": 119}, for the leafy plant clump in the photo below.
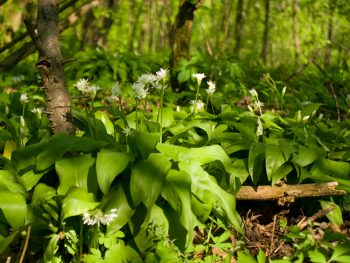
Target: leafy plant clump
{"x": 147, "y": 180}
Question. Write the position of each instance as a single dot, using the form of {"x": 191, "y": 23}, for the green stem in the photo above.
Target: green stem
{"x": 161, "y": 115}
{"x": 197, "y": 91}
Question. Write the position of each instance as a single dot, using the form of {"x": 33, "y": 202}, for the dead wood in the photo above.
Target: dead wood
{"x": 288, "y": 193}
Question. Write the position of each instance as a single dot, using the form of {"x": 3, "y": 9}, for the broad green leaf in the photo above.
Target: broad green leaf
{"x": 155, "y": 227}
{"x": 44, "y": 154}
{"x": 8, "y": 181}
{"x": 116, "y": 199}
{"x": 73, "y": 171}
{"x": 256, "y": 161}
{"x": 246, "y": 131}
{"x": 310, "y": 109}
{"x": 146, "y": 142}
{"x": 281, "y": 172}
{"x": 341, "y": 253}
{"x": 184, "y": 76}
{"x": 51, "y": 248}
{"x": 172, "y": 151}
{"x": 261, "y": 256}
{"x": 208, "y": 191}
{"x": 109, "y": 164}
{"x": 76, "y": 202}
{"x": 167, "y": 116}
{"x": 335, "y": 216}
{"x": 274, "y": 160}
{"x": 307, "y": 156}
{"x": 177, "y": 191}
{"x": 316, "y": 256}
{"x": 332, "y": 168}
{"x": 103, "y": 117}
{"x": 121, "y": 253}
{"x": 14, "y": 208}
{"x": 30, "y": 179}
{"x": 287, "y": 148}
{"x": 245, "y": 257}
{"x": 148, "y": 178}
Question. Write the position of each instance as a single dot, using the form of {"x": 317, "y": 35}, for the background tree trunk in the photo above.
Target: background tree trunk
{"x": 50, "y": 66}
{"x": 295, "y": 32}
{"x": 331, "y": 9}
{"x": 180, "y": 36}
{"x": 265, "y": 40}
{"x": 239, "y": 27}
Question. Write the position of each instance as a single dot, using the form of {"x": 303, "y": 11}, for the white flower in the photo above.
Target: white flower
{"x": 147, "y": 79}
{"x": 161, "y": 74}
{"x": 198, "y": 104}
{"x": 260, "y": 129}
{"x": 199, "y": 77}
{"x": 140, "y": 92}
{"x": 24, "y": 98}
{"x": 82, "y": 85}
{"x": 92, "y": 90}
{"x": 37, "y": 111}
{"x": 98, "y": 217}
{"x": 211, "y": 89}
{"x": 253, "y": 93}
{"x": 127, "y": 131}
{"x": 116, "y": 91}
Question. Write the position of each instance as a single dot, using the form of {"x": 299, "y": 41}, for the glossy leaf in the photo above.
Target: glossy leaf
{"x": 256, "y": 161}
{"x": 73, "y": 171}
{"x": 104, "y": 118}
{"x": 117, "y": 199}
{"x": 274, "y": 160}
{"x": 76, "y": 202}
{"x": 148, "y": 178}
{"x": 146, "y": 142}
{"x": 14, "y": 208}
{"x": 177, "y": 192}
{"x": 109, "y": 164}
{"x": 335, "y": 216}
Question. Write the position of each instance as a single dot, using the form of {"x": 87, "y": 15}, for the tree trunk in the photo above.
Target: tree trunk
{"x": 295, "y": 32}
{"x": 265, "y": 40}
{"x": 50, "y": 66}
{"x": 239, "y": 27}
{"x": 180, "y": 36}
{"x": 331, "y": 8}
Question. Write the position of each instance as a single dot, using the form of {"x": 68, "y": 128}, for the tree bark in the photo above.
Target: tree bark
{"x": 239, "y": 27}
{"x": 295, "y": 32}
{"x": 331, "y": 8}
{"x": 50, "y": 66}
{"x": 265, "y": 39}
{"x": 180, "y": 36}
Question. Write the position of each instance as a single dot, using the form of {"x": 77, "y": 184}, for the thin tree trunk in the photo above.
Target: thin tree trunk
{"x": 265, "y": 40}
{"x": 239, "y": 27}
{"x": 50, "y": 66}
{"x": 331, "y": 8}
{"x": 180, "y": 36}
{"x": 295, "y": 32}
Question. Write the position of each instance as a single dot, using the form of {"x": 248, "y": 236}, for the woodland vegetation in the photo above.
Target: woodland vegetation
{"x": 174, "y": 131}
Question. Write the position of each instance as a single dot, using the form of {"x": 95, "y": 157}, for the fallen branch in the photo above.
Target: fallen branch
{"x": 288, "y": 193}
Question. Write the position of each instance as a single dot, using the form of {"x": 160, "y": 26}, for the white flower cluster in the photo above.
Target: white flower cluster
{"x": 257, "y": 104}
{"x": 199, "y": 77}
{"x": 98, "y": 217}
{"x": 198, "y": 104}
{"x": 24, "y": 98}
{"x": 211, "y": 88}
{"x": 146, "y": 81}
{"x": 84, "y": 86}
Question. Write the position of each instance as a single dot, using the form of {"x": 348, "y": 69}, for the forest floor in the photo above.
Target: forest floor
{"x": 267, "y": 224}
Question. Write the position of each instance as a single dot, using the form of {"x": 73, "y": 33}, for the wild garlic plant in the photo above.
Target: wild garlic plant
{"x": 89, "y": 91}
{"x": 272, "y": 85}
{"x": 257, "y": 106}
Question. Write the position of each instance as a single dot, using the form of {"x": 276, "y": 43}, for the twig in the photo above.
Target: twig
{"x": 272, "y": 245}
{"x": 25, "y": 244}
{"x": 304, "y": 222}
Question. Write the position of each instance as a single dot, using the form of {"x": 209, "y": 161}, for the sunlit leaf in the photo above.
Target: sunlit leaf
{"x": 109, "y": 164}
{"x": 103, "y": 117}
{"x": 14, "y": 207}
{"x": 256, "y": 161}
{"x": 335, "y": 216}
{"x": 73, "y": 171}
{"x": 76, "y": 202}
{"x": 148, "y": 178}
{"x": 177, "y": 191}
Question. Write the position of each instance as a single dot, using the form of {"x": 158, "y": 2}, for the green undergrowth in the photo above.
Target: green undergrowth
{"x": 146, "y": 180}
